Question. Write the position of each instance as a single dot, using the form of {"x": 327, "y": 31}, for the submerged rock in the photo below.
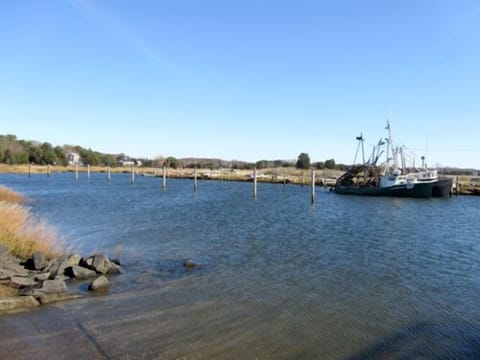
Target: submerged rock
{"x": 189, "y": 264}
{"x": 49, "y": 298}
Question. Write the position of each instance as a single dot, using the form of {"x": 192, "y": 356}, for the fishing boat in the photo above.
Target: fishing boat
{"x": 442, "y": 187}
{"x": 391, "y": 177}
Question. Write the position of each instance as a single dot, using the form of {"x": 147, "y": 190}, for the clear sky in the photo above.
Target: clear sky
{"x": 243, "y": 80}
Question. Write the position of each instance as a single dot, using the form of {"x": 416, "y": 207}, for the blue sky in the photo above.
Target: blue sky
{"x": 243, "y": 80}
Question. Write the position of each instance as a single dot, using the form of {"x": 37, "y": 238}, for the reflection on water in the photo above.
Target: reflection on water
{"x": 278, "y": 278}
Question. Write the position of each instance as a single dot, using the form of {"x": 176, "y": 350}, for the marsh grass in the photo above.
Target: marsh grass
{"x": 11, "y": 196}
{"x": 21, "y": 232}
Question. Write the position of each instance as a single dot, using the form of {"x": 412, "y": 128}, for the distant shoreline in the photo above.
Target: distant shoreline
{"x": 469, "y": 185}
{"x": 273, "y": 175}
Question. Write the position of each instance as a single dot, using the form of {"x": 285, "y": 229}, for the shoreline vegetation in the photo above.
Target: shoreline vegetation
{"x": 467, "y": 184}
{"x": 34, "y": 265}
{"x": 21, "y": 232}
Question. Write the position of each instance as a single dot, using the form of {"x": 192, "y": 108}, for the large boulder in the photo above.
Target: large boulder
{"x": 53, "y": 286}
{"x": 42, "y": 276}
{"x": 79, "y": 272}
{"x": 57, "y": 266}
{"x": 17, "y": 303}
{"x": 9, "y": 266}
{"x": 87, "y": 262}
{"x": 37, "y": 262}
{"x": 21, "y": 282}
{"x": 99, "y": 283}
{"x": 101, "y": 264}
{"x": 74, "y": 259}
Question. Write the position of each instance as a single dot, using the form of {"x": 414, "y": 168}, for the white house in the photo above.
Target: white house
{"x": 73, "y": 158}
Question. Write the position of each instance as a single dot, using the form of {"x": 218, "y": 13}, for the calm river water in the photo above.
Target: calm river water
{"x": 350, "y": 277}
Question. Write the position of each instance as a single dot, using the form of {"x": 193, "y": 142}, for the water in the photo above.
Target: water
{"x": 350, "y": 277}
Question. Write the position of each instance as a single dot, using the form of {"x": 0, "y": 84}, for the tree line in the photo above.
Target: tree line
{"x": 15, "y": 151}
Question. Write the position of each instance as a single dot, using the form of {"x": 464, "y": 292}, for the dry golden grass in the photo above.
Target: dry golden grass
{"x": 23, "y": 234}
{"x": 10, "y": 196}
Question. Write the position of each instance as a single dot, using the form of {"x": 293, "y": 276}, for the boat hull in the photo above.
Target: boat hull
{"x": 418, "y": 190}
{"x": 442, "y": 188}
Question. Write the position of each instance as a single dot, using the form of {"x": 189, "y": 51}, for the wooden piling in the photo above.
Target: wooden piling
{"x": 88, "y": 171}
{"x": 457, "y": 185}
{"x": 313, "y": 187}
{"x": 303, "y": 178}
{"x": 132, "y": 175}
{"x": 284, "y": 178}
{"x": 76, "y": 172}
{"x": 109, "y": 175}
{"x": 255, "y": 183}
{"x": 164, "y": 184}
{"x": 195, "y": 179}
{"x": 29, "y": 170}
{"x": 48, "y": 170}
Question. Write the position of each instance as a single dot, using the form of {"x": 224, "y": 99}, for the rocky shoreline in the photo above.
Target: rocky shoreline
{"x": 39, "y": 280}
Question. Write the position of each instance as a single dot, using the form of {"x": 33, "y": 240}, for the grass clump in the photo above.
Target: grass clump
{"x": 21, "y": 232}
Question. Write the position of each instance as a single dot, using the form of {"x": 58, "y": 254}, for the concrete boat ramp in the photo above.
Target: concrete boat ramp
{"x": 162, "y": 323}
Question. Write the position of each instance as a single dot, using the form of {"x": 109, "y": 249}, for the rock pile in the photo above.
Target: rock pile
{"x": 40, "y": 280}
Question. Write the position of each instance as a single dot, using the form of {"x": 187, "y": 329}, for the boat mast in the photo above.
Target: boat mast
{"x": 390, "y": 143}
{"x": 360, "y": 139}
